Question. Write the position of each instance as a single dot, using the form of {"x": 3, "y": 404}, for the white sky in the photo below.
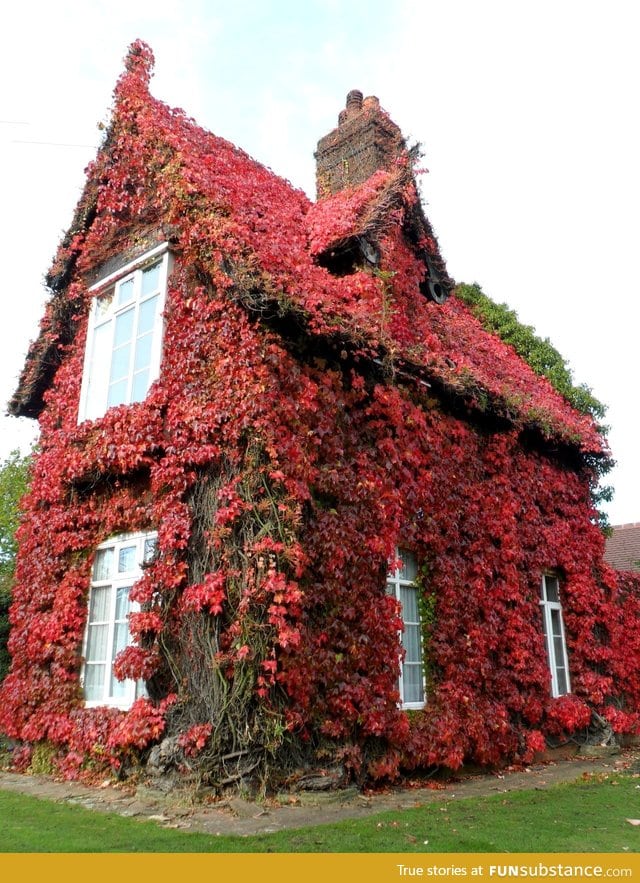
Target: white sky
{"x": 527, "y": 112}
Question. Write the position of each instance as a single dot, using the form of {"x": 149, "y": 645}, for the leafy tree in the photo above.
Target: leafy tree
{"x": 13, "y": 484}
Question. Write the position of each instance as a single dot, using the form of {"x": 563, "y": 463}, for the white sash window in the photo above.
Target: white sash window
{"x": 401, "y": 584}
{"x": 553, "y": 628}
{"x": 124, "y": 337}
{"x": 116, "y": 568}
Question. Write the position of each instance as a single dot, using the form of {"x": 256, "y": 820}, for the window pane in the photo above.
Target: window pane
{"x": 118, "y": 689}
{"x": 117, "y": 393}
{"x": 103, "y": 305}
{"x": 140, "y": 386}
{"x": 124, "y": 327}
{"x": 411, "y": 643}
{"x": 120, "y": 363}
{"x": 98, "y": 369}
{"x": 102, "y": 564}
{"x": 147, "y": 316}
{"x": 558, "y": 649}
{"x": 97, "y": 643}
{"x": 556, "y": 623}
{"x": 122, "y": 604}
{"x": 546, "y": 643}
{"x": 545, "y": 626}
{"x": 409, "y": 600}
{"x": 99, "y": 605}
{"x": 552, "y": 588}
{"x": 125, "y": 291}
{"x": 409, "y": 569}
{"x": 127, "y": 559}
{"x": 100, "y": 349}
{"x": 143, "y": 352}
{"x": 563, "y": 685}
{"x": 412, "y": 683}
{"x": 94, "y": 682}
{"x": 150, "y": 547}
{"x": 120, "y": 638}
{"x": 151, "y": 278}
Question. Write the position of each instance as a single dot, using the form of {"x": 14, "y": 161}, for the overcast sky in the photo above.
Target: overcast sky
{"x": 527, "y": 113}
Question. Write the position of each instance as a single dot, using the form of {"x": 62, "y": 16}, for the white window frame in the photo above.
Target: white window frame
{"x": 395, "y": 582}
{"x": 557, "y": 661}
{"x": 127, "y": 579}
{"x": 104, "y": 312}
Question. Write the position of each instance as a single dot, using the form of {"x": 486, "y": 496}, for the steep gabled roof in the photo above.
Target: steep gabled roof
{"x": 622, "y": 549}
{"x": 245, "y": 229}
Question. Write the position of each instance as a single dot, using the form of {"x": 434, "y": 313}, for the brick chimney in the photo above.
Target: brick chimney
{"x": 364, "y": 141}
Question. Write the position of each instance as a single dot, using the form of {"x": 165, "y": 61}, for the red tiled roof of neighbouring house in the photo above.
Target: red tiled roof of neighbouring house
{"x": 622, "y": 549}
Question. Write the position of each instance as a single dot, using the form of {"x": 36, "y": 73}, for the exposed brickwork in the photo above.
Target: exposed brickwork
{"x": 623, "y": 547}
{"x": 365, "y": 140}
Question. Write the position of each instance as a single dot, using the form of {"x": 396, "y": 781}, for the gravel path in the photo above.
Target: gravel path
{"x": 241, "y": 817}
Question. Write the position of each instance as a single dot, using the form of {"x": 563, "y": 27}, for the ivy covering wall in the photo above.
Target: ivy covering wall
{"x": 546, "y": 361}
{"x": 303, "y": 427}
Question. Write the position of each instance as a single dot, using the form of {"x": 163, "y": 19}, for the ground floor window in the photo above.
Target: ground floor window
{"x": 401, "y": 583}
{"x": 553, "y": 628}
{"x": 116, "y": 568}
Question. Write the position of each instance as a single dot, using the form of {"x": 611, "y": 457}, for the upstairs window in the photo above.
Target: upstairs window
{"x": 401, "y": 584}
{"x": 124, "y": 338}
{"x": 116, "y": 568}
{"x": 553, "y": 628}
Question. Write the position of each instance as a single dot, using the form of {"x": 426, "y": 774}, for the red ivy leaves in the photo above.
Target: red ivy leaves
{"x": 357, "y": 469}
{"x": 194, "y": 740}
{"x": 209, "y": 595}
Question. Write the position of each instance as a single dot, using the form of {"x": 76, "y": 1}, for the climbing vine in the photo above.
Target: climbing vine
{"x": 303, "y": 427}
{"x": 428, "y": 611}
{"x": 537, "y": 352}
{"x": 546, "y": 361}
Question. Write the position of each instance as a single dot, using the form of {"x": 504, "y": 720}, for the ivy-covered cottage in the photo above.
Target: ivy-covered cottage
{"x": 293, "y": 503}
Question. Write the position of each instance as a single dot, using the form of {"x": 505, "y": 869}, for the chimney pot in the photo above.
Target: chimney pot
{"x": 360, "y": 145}
{"x": 354, "y": 101}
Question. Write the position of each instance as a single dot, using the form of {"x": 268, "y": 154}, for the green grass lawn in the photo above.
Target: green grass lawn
{"x": 581, "y": 817}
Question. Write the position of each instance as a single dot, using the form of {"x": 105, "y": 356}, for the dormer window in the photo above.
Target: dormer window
{"x": 350, "y": 254}
{"x": 124, "y": 338}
